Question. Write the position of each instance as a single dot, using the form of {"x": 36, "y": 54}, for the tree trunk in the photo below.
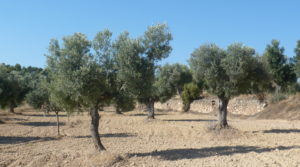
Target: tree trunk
{"x": 186, "y": 107}
{"x": 57, "y": 122}
{"x": 12, "y": 108}
{"x": 222, "y": 122}
{"x": 179, "y": 91}
{"x": 118, "y": 110}
{"x": 277, "y": 89}
{"x": 150, "y": 109}
{"x": 95, "y": 117}
{"x": 68, "y": 115}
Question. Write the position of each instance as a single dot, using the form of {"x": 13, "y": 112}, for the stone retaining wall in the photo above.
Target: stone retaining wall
{"x": 244, "y": 105}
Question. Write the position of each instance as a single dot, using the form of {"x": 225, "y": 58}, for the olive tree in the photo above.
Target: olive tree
{"x": 282, "y": 72}
{"x": 297, "y": 59}
{"x": 39, "y": 97}
{"x": 226, "y": 73}
{"x": 137, "y": 60}
{"x": 121, "y": 99}
{"x": 13, "y": 87}
{"x": 79, "y": 78}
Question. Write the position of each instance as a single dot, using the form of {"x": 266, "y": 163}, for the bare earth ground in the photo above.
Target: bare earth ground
{"x": 173, "y": 139}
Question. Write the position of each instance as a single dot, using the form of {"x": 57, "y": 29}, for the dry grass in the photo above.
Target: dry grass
{"x": 288, "y": 109}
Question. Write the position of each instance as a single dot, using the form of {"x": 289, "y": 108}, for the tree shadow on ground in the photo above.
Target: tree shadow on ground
{"x": 110, "y": 135}
{"x": 179, "y": 154}
{"x": 189, "y": 120}
{"x": 165, "y": 110}
{"x": 146, "y": 114}
{"x": 19, "y": 139}
{"x": 282, "y": 131}
{"x": 41, "y": 123}
{"x": 14, "y": 119}
{"x": 42, "y": 115}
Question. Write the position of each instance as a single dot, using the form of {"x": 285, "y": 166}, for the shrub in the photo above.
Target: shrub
{"x": 190, "y": 93}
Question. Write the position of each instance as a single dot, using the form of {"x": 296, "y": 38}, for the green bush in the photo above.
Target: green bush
{"x": 190, "y": 93}
{"x": 293, "y": 88}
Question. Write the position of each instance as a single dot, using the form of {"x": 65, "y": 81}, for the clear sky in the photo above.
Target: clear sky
{"x": 26, "y": 26}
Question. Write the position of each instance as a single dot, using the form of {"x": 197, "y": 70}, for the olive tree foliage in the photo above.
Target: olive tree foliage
{"x": 177, "y": 79}
{"x": 281, "y": 71}
{"x": 38, "y": 95}
{"x": 175, "y": 76}
{"x": 137, "y": 59}
{"x": 80, "y": 76}
{"x": 13, "y": 86}
{"x": 32, "y": 77}
{"x": 297, "y": 59}
{"x": 227, "y": 73}
{"x": 102, "y": 44}
{"x": 165, "y": 83}
{"x": 8, "y": 89}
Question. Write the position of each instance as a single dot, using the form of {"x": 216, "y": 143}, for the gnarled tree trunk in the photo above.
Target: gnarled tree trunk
{"x": 150, "y": 109}
{"x": 118, "y": 111}
{"x": 222, "y": 121}
{"x": 12, "y": 108}
{"x": 179, "y": 91}
{"x": 95, "y": 117}
{"x": 186, "y": 107}
{"x": 57, "y": 122}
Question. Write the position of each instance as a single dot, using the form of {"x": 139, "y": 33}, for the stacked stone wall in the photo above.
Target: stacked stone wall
{"x": 244, "y": 105}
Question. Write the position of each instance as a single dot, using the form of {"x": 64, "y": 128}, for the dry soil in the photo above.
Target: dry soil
{"x": 172, "y": 139}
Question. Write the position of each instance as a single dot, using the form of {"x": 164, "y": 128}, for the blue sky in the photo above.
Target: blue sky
{"x": 26, "y": 27}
